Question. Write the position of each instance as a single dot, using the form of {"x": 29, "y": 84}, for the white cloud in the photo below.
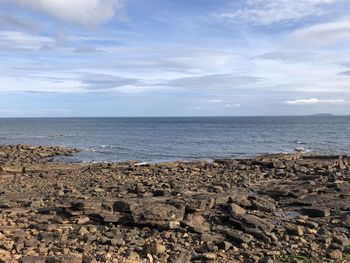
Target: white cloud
{"x": 20, "y": 40}
{"x": 314, "y": 101}
{"x": 215, "y": 101}
{"x": 86, "y": 12}
{"x": 323, "y": 35}
{"x": 267, "y": 12}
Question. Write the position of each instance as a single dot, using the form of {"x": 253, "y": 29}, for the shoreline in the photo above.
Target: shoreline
{"x": 269, "y": 208}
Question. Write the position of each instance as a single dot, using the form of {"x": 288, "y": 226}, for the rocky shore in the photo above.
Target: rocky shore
{"x": 274, "y": 208}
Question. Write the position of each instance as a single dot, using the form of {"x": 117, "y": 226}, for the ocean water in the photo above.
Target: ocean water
{"x": 179, "y": 138}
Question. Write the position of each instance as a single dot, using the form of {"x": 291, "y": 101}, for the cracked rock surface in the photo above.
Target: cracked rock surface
{"x": 273, "y": 208}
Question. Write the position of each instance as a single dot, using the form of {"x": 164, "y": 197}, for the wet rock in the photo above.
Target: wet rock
{"x": 316, "y": 211}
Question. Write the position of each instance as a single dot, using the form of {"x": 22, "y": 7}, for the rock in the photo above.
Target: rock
{"x": 7, "y": 245}
{"x": 182, "y": 258}
{"x": 155, "y": 249}
{"x": 209, "y": 256}
{"x": 224, "y": 245}
{"x": 83, "y": 231}
{"x": 196, "y": 222}
{"x": 155, "y": 213}
{"x": 335, "y": 254}
{"x": 204, "y": 256}
{"x": 277, "y": 164}
{"x": 251, "y": 221}
{"x": 33, "y": 259}
{"x": 89, "y": 259}
{"x": 316, "y": 211}
{"x": 199, "y": 203}
{"x": 342, "y": 240}
{"x": 83, "y": 220}
{"x": 266, "y": 260}
{"x": 70, "y": 258}
{"x": 262, "y": 204}
{"x": 133, "y": 257}
{"x": 236, "y": 236}
{"x": 294, "y": 230}
{"x": 236, "y": 209}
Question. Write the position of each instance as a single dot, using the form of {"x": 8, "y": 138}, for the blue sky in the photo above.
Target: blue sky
{"x": 174, "y": 57}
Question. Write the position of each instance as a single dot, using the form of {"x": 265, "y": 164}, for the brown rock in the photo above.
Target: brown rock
{"x": 155, "y": 249}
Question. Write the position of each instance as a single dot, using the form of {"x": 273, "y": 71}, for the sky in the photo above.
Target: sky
{"x": 103, "y": 58}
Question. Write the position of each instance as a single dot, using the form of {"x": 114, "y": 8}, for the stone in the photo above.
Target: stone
{"x": 295, "y": 230}
{"x": 155, "y": 213}
{"x": 266, "y": 260}
{"x": 278, "y": 164}
{"x": 236, "y": 236}
{"x": 196, "y": 222}
{"x": 209, "y": 256}
{"x": 33, "y": 259}
{"x": 7, "y": 245}
{"x": 83, "y": 231}
{"x": 262, "y": 204}
{"x": 236, "y": 209}
{"x": 89, "y": 259}
{"x": 251, "y": 221}
{"x": 224, "y": 245}
{"x": 155, "y": 249}
{"x": 83, "y": 220}
{"x": 316, "y": 211}
{"x": 335, "y": 254}
{"x": 199, "y": 203}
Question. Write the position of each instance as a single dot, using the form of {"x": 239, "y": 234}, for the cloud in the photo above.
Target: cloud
{"x": 8, "y": 21}
{"x": 105, "y": 81}
{"x": 14, "y": 40}
{"x": 86, "y": 50}
{"x": 215, "y": 101}
{"x": 346, "y": 73}
{"x": 323, "y": 35}
{"x": 85, "y": 12}
{"x": 229, "y": 105}
{"x": 290, "y": 56}
{"x": 267, "y": 12}
{"x": 315, "y": 101}
{"x": 215, "y": 82}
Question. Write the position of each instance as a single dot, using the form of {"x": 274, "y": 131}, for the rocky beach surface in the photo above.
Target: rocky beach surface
{"x": 273, "y": 208}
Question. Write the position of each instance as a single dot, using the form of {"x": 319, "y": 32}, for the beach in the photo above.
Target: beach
{"x": 271, "y": 208}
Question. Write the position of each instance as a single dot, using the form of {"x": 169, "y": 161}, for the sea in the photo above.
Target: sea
{"x": 162, "y": 139}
